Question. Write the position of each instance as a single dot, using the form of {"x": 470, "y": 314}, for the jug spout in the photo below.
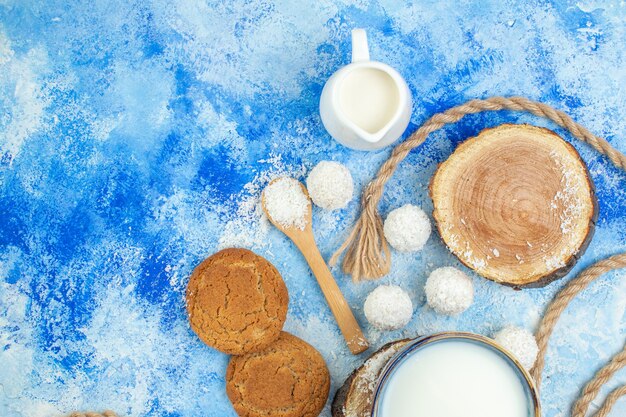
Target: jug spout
{"x": 373, "y": 137}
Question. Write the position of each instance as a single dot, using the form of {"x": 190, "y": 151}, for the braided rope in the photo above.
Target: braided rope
{"x": 366, "y": 251}
{"x": 592, "y": 388}
{"x": 610, "y": 401}
{"x": 550, "y": 318}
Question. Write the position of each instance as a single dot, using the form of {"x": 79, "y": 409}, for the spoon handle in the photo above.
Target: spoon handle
{"x": 338, "y": 305}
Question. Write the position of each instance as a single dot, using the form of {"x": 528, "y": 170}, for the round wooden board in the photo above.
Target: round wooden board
{"x": 515, "y": 204}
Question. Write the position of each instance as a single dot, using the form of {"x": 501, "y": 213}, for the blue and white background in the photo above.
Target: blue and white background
{"x": 135, "y": 137}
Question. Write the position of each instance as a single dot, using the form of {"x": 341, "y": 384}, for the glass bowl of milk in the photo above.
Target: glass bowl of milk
{"x": 455, "y": 375}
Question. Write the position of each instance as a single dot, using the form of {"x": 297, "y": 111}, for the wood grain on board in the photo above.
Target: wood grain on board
{"x": 515, "y": 204}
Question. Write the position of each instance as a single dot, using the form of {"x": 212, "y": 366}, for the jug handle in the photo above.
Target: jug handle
{"x": 360, "y": 50}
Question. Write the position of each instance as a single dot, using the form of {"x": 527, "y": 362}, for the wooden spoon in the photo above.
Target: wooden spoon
{"x": 305, "y": 241}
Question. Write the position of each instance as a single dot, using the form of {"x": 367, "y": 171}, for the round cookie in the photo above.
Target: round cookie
{"x": 287, "y": 379}
{"x": 236, "y": 301}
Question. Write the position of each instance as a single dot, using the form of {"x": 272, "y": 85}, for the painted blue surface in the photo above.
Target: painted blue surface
{"x": 135, "y": 137}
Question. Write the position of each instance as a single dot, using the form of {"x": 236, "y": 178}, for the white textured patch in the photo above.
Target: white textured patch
{"x": 187, "y": 214}
{"x": 17, "y": 357}
{"x": 23, "y": 98}
{"x": 139, "y": 98}
{"x": 248, "y": 226}
{"x": 258, "y": 47}
{"x": 220, "y": 132}
{"x": 135, "y": 360}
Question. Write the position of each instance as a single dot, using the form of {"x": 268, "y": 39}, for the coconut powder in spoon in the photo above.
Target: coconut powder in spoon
{"x": 286, "y": 203}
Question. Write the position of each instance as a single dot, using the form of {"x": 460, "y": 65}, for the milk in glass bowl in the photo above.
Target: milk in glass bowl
{"x": 455, "y": 375}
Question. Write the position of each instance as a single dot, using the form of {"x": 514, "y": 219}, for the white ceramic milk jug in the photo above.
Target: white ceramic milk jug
{"x": 365, "y": 105}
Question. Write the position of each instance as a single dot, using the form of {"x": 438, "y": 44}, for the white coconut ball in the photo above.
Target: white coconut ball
{"x": 407, "y": 228}
{"x": 388, "y": 307}
{"x": 330, "y": 185}
{"x": 449, "y": 291}
{"x": 521, "y": 343}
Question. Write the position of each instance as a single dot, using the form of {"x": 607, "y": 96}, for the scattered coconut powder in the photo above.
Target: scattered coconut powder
{"x": 286, "y": 203}
{"x": 567, "y": 198}
{"x": 246, "y": 226}
{"x": 572, "y": 208}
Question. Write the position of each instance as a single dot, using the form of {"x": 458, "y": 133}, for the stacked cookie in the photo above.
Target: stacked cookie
{"x": 237, "y": 303}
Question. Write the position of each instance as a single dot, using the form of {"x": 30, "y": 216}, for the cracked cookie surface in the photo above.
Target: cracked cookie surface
{"x": 289, "y": 378}
{"x": 236, "y": 301}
